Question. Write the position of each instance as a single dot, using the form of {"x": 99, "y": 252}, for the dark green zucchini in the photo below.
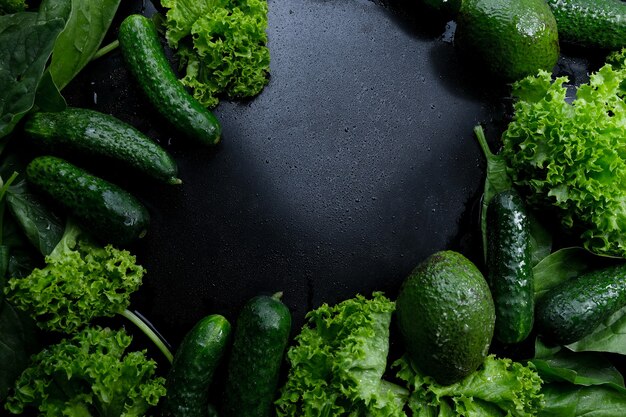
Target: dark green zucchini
{"x": 110, "y": 213}
{"x": 193, "y": 367}
{"x": 260, "y": 339}
{"x": 94, "y": 133}
{"x": 592, "y": 23}
{"x": 146, "y": 60}
{"x": 509, "y": 266}
{"x": 575, "y": 308}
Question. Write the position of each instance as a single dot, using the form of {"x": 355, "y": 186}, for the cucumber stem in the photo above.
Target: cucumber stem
{"x": 147, "y": 330}
{"x": 278, "y": 295}
{"x": 105, "y": 50}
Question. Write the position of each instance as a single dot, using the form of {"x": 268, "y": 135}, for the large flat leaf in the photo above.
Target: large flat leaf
{"x": 559, "y": 267}
{"x": 579, "y": 401}
{"x": 88, "y": 23}
{"x": 609, "y": 336}
{"x": 26, "y": 42}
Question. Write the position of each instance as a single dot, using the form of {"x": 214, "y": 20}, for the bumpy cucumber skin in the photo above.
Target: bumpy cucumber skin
{"x": 112, "y": 214}
{"x": 572, "y": 310}
{"x": 260, "y": 339}
{"x": 509, "y": 266}
{"x": 94, "y": 133}
{"x": 592, "y": 23}
{"x": 146, "y": 60}
{"x": 194, "y": 364}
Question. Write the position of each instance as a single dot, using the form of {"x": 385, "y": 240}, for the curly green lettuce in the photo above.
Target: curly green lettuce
{"x": 499, "y": 388}
{"x": 221, "y": 46}
{"x": 81, "y": 281}
{"x": 570, "y": 155}
{"x": 89, "y": 375}
{"x": 337, "y": 364}
{"x": 12, "y": 6}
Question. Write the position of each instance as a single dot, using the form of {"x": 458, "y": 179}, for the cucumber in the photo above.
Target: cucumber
{"x": 260, "y": 339}
{"x": 509, "y": 266}
{"x": 573, "y": 309}
{"x": 110, "y": 213}
{"x": 146, "y": 60}
{"x": 95, "y": 133}
{"x": 193, "y": 367}
{"x": 591, "y": 23}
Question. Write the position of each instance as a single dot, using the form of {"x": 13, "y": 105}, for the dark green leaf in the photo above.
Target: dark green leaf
{"x": 497, "y": 180}
{"x": 609, "y": 336}
{"x": 42, "y": 226}
{"x": 540, "y": 239}
{"x": 577, "y": 401}
{"x": 88, "y": 23}
{"x": 48, "y": 97}
{"x": 53, "y": 9}
{"x": 25, "y": 46}
{"x": 17, "y": 342}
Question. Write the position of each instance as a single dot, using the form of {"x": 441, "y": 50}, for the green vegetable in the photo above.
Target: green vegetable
{"x": 112, "y": 214}
{"x": 259, "y": 343}
{"x": 147, "y": 62}
{"x": 221, "y": 46}
{"x": 12, "y": 6}
{"x": 499, "y": 388}
{"x": 26, "y": 42}
{"x": 509, "y": 265}
{"x": 89, "y": 375}
{"x": 579, "y": 401}
{"x": 81, "y": 281}
{"x": 84, "y": 31}
{"x": 338, "y": 362}
{"x": 90, "y": 132}
{"x": 592, "y": 23}
{"x": 576, "y": 307}
{"x": 446, "y": 316}
{"x": 194, "y": 364}
{"x": 568, "y": 155}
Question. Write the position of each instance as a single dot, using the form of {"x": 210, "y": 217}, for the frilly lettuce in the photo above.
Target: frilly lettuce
{"x": 89, "y": 375}
{"x": 570, "y": 154}
{"x": 221, "y": 46}
{"x": 338, "y": 363}
{"x": 499, "y": 388}
{"x": 81, "y": 281}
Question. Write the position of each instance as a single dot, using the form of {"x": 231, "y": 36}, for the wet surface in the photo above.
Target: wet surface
{"x": 355, "y": 163}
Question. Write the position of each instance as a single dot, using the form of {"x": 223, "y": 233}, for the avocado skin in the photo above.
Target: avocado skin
{"x": 446, "y": 316}
{"x": 510, "y": 39}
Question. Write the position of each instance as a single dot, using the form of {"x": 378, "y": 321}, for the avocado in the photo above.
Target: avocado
{"x": 446, "y": 316}
{"x": 511, "y": 39}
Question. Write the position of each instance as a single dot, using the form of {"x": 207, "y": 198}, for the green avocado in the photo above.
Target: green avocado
{"x": 510, "y": 39}
{"x": 446, "y": 316}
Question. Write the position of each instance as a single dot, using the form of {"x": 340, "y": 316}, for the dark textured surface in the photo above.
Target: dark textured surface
{"x": 354, "y": 164}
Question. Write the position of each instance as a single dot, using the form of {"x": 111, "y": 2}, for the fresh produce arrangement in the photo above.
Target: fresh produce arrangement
{"x": 537, "y": 327}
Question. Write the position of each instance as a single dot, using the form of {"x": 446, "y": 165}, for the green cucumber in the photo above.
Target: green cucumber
{"x": 576, "y": 307}
{"x": 146, "y": 60}
{"x": 91, "y": 132}
{"x": 194, "y": 364}
{"x": 260, "y": 339}
{"x": 592, "y": 23}
{"x": 110, "y": 213}
{"x": 509, "y": 266}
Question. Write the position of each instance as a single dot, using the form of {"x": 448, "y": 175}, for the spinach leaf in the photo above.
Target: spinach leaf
{"x": 559, "y": 267}
{"x": 86, "y": 27}
{"x": 609, "y": 336}
{"x": 569, "y": 400}
{"x": 497, "y": 180}
{"x": 26, "y": 43}
{"x": 48, "y": 97}
{"x": 17, "y": 342}
{"x": 42, "y": 226}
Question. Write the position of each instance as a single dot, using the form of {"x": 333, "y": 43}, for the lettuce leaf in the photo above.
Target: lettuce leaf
{"x": 221, "y": 46}
{"x": 500, "y": 387}
{"x": 569, "y": 156}
{"x": 337, "y": 364}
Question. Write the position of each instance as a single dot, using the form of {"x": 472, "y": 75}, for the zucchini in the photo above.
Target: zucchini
{"x": 112, "y": 214}
{"x": 260, "y": 339}
{"x": 574, "y": 309}
{"x": 509, "y": 266}
{"x": 94, "y": 133}
{"x": 193, "y": 367}
{"x": 146, "y": 60}
{"x": 591, "y": 23}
